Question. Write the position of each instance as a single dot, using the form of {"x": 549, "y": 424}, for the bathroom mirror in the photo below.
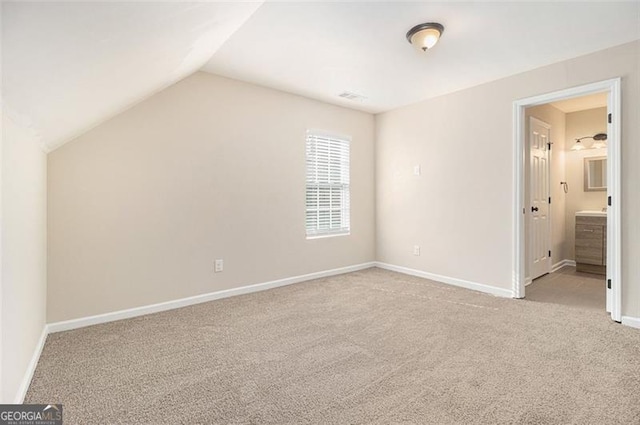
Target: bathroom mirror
{"x": 595, "y": 174}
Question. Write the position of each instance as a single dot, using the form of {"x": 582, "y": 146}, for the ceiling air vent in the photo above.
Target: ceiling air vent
{"x": 352, "y": 96}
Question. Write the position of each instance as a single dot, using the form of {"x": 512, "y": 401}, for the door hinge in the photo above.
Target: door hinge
{"x": 609, "y": 201}
{"x": 609, "y": 118}
{"x": 608, "y": 283}
{"x": 549, "y": 199}
{"x": 549, "y": 146}
{"x": 549, "y": 253}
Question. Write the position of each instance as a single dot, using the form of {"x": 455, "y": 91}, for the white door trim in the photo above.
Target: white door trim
{"x": 614, "y": 245}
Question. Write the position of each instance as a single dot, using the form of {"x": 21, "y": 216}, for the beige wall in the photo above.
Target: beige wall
{"x": 556, "y": 119}
{"x": 460, "y": 209}
{"x": 580, "y": 124}
{"x": 23, "y": 256}
{"x": 141, "y": 206}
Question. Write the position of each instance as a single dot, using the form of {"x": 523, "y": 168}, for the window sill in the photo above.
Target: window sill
{"x": 328, "y": 235}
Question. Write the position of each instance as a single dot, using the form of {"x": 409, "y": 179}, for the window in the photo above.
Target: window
{"x": 327, "y": 196}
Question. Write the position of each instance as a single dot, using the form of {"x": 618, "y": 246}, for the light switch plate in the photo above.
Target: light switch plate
{"x": 219, "y": 266}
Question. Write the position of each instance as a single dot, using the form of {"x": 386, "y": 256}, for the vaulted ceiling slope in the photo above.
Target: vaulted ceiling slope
{"x": 66, "y": 67}
{"x": 321, "y": 49}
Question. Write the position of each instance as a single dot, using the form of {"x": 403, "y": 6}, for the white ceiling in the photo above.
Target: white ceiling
{"x": 322, "y": 49}
{"x": 582, "y": 103}
{"x": 66, "y": 67}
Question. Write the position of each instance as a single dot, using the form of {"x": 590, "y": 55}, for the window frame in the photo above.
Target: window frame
{"x": 344, "y": 187}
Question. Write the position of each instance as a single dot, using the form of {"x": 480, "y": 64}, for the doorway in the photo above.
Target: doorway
{"x": 532, "y": 194}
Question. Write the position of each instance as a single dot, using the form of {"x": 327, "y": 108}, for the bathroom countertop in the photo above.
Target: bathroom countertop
{"x": 591, "y": 214}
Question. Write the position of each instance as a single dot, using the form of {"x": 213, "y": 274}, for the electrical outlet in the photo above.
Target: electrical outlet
{"x": 417, "y": 170}
{"x": 219, "y": 266}
{"x": 416, "y": 250}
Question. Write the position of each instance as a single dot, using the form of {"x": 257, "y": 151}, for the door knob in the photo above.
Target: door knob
{"x": 534, "y": 209}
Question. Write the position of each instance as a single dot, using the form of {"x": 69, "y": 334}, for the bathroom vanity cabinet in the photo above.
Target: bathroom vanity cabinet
{"x": 591, "y": 243}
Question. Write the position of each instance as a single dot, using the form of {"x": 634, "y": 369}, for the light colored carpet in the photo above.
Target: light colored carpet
{"x": 371, "y": 347}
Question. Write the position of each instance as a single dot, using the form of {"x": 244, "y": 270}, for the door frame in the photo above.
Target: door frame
{"x": 614, "y": 240}
{"x": 528, "y": 218}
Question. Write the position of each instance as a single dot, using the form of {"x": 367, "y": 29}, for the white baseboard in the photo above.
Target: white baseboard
{"x": 170, "y": 305}
{"x": 634, "y": 322}
{"x": 197, "y": 299}
{"x": 501, "y": 292}
{"x": 560, "y": 264}
{"x": 31, "y": 368}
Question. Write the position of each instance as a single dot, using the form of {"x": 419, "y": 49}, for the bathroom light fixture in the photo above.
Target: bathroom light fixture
{"x": 425, "y": 36}
{"x": 599, "y": 141}
{"x": 597, "y": 144}
{"x": 577, "y": 146}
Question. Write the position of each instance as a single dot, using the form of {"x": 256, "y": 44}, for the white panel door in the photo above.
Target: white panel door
{"x": 539, "y": 230}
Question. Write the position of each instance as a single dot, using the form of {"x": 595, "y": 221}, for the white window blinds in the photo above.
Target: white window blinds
{"x": 327, "y": 196}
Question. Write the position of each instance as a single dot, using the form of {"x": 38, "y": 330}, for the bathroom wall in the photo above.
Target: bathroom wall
{"x": 580, "y": 124}
{"x": 556, "y": 119}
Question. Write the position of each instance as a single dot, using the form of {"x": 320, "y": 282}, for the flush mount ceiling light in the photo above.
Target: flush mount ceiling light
{"x": 425, "y": 36}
